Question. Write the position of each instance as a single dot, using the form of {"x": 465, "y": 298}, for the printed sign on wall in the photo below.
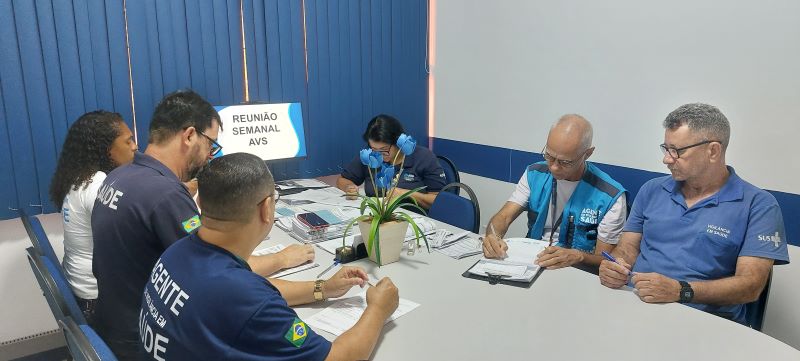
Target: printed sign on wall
{"x": 270, "y": 131}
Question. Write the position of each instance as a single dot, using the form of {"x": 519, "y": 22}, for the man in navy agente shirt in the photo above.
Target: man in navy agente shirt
{"x": 703, "y": 236}
{"x": 142, "y": 208}
{"x": 203, "y": 302}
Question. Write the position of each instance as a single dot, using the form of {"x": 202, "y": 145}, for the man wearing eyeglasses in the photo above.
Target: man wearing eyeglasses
{"x": 144, "y": 207}
{"x": 702, "y": 236}
{"x": 570, "y": 202}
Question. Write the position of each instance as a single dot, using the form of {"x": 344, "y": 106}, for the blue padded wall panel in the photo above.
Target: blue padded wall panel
{"x": 364, "y": 58}
{"x": 183, "y": 44}
{"x": 345, "y": 61}
{"x": 59, "y": 60}
{"x": 276, "y": 60}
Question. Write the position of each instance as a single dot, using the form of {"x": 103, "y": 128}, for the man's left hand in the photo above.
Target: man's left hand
{"x": 295, "y": 255}
{"x": 554, "y": 257}
{"x": 656, "y": 288}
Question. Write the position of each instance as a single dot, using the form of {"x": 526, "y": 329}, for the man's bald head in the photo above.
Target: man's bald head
{"x": 569, "y": 144}
{"x": 571, "y": 128}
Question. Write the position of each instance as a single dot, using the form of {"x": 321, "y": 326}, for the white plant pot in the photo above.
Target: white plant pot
{"x": 390, "y": 241}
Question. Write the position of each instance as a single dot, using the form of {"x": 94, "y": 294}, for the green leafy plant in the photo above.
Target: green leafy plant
{"x": 385, "y": 206}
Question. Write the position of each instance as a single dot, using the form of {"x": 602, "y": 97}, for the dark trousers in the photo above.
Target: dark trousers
{"x": 87, "y": 307}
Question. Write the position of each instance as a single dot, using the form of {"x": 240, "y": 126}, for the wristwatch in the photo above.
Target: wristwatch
{"x": 318, "y": 295}
{"x": 687, "y": 293}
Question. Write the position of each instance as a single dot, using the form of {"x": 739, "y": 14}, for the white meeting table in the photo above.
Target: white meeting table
{"x": 565, "y": 315}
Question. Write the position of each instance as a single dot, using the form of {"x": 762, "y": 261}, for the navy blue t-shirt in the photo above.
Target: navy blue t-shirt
{"x": 202, "y": 302}
{"x": 421, "y": 168}
{"x": 140, "y": 210}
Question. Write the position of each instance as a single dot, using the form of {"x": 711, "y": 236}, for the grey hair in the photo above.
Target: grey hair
{"x": 707, "y": 120}
{"x": 578, "y": 120}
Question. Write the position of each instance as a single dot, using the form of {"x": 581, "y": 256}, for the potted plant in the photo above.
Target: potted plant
{"x": 384, "y": 227}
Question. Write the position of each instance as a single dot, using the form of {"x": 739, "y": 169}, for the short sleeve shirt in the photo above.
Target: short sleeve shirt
{"x": 76, "y": 214}
{"x": 202, "y": 302}
{"x": 140, "y": 210}
{"x": 704, "y": 242}
{"x": 421, "y": 168}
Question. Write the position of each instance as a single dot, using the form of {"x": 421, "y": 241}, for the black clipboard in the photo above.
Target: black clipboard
{"x": 494, "y": 281}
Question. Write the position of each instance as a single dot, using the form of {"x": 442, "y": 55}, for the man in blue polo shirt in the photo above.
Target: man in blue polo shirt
{"x": 569, "y": 201}
{"x": 142, "y": 208}
{"x": 703, "y": 236}
{"x": 202, "y": 301}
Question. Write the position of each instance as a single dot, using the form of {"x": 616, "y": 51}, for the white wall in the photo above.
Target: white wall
{"x": 505, "y": 70}
{"x": 24, "y": 308}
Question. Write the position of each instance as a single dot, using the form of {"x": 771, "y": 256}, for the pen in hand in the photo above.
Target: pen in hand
{"x": 491, "y": 228}
{"x": 494, "y": 233}
{"x": 612, "y": 259}
{"x": 335, "y": 263}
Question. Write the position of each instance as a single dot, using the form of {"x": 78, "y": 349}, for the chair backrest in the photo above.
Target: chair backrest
{"x": 83, "y": 342}
{"x": 754, "y": 311}
{"x": 38, "y": 236}
{"x": 450, "y": 172}
{"x": 456, "y": 210}
{"x": 55, "y": 287}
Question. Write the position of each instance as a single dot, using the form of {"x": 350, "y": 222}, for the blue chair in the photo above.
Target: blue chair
{"x": 456, "y": 210}
{"x": 754, "y": 311}
{"x": 83, "y": 342}
{"x": 55, "y": 287}
{"x": 450, "y": 172}
{"x": 38, "y": 236}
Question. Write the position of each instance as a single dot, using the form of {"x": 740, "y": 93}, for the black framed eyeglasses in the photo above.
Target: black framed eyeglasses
{"x": 675, "y": 153}
{"x": 564, "y": 163}
{"x": 382, "y": 151}
{"x": 215, "y": 147}
{"x": 275, "y": 194}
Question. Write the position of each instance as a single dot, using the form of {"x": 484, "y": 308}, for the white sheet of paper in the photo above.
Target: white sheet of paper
{"x": 269, "y": 250}
{"x": 523, "y": 250}
{"x": 463, "y": 248}
{"x": 485, "y": 267}
{"x": 344, "y": 314}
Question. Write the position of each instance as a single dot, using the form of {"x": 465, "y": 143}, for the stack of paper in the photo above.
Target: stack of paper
{"x": 300, "y": 183}
{"x": 343, "y": 315}
{"x": 305, "y": 234}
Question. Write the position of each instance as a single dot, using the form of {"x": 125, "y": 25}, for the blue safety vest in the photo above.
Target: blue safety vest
{"x": 593, "y": 197}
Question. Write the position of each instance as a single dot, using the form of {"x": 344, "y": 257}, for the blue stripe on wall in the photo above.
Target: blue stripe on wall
{"x": 507, "y": 165}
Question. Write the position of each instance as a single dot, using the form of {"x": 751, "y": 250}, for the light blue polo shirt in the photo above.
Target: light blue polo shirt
{"x": 703, "y": 242}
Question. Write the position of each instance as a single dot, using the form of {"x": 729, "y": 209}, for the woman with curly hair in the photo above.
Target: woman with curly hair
{"x": 96, "y": 143}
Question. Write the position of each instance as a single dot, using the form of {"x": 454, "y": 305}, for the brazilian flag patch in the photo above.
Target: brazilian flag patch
{"x": 191, "y": 224}
{"x": 297, "y": 333}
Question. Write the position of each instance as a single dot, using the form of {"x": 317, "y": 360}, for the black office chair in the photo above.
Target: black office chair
{"x": 84, "y": 343}
{"x": 55, "y": 288}
{"x": 450, "y": 173}
{"x": 754, "y": 311}
{"x": 456, "y": 210}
